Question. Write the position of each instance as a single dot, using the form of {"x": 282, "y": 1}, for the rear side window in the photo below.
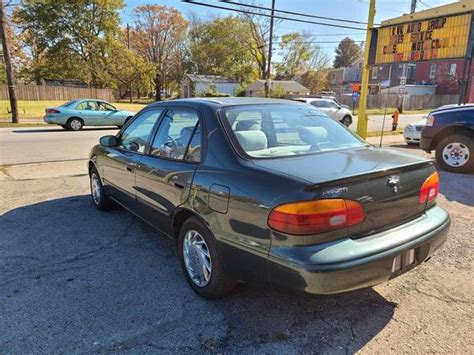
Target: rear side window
{"x": 277, "y": 130}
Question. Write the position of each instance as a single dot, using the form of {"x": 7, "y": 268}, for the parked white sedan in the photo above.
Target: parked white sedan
{"x": 331, "y": 108}
{"x": 412, "y": 132}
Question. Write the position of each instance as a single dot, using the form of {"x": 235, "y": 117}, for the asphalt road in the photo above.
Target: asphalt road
{"x": 76, "y": 280}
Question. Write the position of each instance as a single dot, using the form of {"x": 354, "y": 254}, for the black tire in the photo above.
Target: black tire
{"x": 466, "y": 145}
{"x": 220, "y": 282}
{"x": 346, "y": 120}
{"x": 103, "y": 203}
{"x": 75, "y": 124}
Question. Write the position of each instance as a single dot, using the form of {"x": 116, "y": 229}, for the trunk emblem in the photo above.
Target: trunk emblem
{"x": 393, "y": 180}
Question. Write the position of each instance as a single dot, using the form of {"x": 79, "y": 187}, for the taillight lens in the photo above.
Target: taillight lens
{"x": 52, "y": 110}
{"x": 430, "y": 120}
{"x": 430, "y": 189}
{"x": 312, "y": 217}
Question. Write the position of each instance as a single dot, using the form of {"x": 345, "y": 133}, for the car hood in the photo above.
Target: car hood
{"x": 336, "y": 165}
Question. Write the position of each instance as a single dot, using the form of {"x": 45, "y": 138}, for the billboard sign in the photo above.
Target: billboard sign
{"x": 437, "y": 38}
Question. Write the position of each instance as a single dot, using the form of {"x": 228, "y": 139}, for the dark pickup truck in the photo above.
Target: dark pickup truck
{"x": 450, "y": 133}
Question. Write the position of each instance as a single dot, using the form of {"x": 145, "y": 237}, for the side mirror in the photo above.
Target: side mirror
{"x": 108, "y": 141}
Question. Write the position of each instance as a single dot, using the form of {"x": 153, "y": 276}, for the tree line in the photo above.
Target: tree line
{"x": 85, "y": 40}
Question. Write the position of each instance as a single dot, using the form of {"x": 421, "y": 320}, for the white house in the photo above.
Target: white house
{"x": 290, "y": 87}
{"x": 195, "y": 85}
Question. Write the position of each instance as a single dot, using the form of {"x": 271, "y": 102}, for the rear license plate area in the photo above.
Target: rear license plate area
{"x": 403, "y": 260}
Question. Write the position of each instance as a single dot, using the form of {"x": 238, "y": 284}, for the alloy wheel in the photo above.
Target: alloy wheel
{"x": 95, "y": 188}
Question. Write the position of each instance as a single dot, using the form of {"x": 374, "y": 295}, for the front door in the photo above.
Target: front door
{"x": 89, "y": 112}
{"x": 120, "y": 162}
{"x": 109, "y": 116}
{"x": 164, "y": 176}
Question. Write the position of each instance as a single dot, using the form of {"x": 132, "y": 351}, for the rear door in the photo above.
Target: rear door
{"x": 89, "y": 112}
{"x": 120, "y": 163}
{"x": 165, "y": 173}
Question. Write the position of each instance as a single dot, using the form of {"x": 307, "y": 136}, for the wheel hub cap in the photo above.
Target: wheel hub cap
{"x": 75, "y": 124}
{"x": 456, "y": 154}
{"x": 197, "y": 258}
{"x": 95, "y": 188}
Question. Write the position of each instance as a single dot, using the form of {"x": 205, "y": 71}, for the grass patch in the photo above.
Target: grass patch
{"x": 21, "y": 124}
{"x": 385, "y": 133}
{"x": 35, "y": 109}
{"x": 390, "y": 110}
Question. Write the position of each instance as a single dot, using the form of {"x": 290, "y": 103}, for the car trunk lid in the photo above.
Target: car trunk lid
{"x": 386, "y": 182}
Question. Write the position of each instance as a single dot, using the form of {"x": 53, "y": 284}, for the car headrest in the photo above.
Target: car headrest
{"x": 247, "y": 125}
{"x": 313, "y": 135}
{"x": 186, "y": 133}
{"x": 252, "y": 140}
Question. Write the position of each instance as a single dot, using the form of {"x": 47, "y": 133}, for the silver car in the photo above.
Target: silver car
{"x": 331, "y": 108}
{"x": 412, "y": 132}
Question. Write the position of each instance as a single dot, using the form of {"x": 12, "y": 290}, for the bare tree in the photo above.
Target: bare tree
{"x": 8, "y": 64}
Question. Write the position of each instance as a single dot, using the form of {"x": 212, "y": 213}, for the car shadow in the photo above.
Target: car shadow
{"x": 457, "y": 187}
{"x": 48, "y": 130}
{"x": 72, "y": 270}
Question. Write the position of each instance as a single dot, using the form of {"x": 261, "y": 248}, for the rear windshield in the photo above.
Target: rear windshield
{"x": 69, "y": 103}
{"x": 277, "y": 130}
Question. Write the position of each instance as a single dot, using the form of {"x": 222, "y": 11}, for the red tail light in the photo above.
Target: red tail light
{"x": 430, "y": 189}
{"x": 52, "y": 110}
{"x": 312, "y": 217}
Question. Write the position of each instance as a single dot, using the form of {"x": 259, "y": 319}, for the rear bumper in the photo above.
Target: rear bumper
{"x": 348, "y": 264}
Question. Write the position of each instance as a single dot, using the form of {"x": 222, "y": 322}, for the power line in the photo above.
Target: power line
{"x": 275, "y": 16}
{"x": 293, "y": 13}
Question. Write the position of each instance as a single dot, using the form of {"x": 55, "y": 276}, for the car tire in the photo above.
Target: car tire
{"x": 74, "y": 124}
{"x": 455, "y": 153}
{"x": 346, "y": 120}
{"x": 64, "y": 126}
{"x": 198, "y": 252}
{"x": 99, "y": 198}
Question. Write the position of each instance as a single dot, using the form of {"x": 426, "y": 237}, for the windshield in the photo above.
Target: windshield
{"x": 277, "y": 130}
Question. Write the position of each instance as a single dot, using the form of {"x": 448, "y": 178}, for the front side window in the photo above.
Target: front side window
{"x": 104, "y": 106}
{"x": 331, "y": 104}
{"x": 174, "y": 134}
{"x": 287, "y": 130}
{"x": 136, "y": 135}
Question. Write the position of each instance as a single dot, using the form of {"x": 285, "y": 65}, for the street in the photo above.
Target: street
{"x": 74, "y": 279}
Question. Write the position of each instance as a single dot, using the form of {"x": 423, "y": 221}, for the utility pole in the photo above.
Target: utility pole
{"x": 270, "y": 45}
{"x": 413, "y": 6}
{"x": 364, "y": 87}
{"x": 128, "y": 45}
{"x": 8, "y": 64}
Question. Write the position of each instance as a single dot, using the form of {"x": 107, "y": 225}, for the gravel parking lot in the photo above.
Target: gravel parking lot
{"x": 73, "y": 279}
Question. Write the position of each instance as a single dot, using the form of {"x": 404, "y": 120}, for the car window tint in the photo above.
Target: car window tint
{"x": 331, "y": 104}
{"x": 174, "y": 133}
{"x": 318, "y": 103}
{"x": 194, "y": 149}
{"x": 289, "y": 130}
{"x": 135, "y": 136}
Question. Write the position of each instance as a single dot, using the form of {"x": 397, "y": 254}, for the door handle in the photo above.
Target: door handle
{"x": 131, "y": 167}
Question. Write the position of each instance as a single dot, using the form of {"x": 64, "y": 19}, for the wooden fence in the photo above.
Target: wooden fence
{"x": 409, "y": 102}
{"x": 60, "y": 93}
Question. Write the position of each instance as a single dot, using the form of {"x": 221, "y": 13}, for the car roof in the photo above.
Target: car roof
{"x": 225, "y": 101}
{"x": 455, "y": 108}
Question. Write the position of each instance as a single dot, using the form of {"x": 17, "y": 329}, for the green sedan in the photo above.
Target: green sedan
{"x": 270, "y": 192}
{"x": 75, "y": 114}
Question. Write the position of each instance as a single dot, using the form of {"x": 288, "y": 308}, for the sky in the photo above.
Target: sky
{"x": 355, "y": 10}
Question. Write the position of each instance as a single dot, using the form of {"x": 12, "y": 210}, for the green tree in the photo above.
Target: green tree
{"x": 218, "y": 47}
{"x": 347, "y": 52}
{"x": 79, "y": 33}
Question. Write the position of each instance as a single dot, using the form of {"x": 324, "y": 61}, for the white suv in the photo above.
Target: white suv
{"x": 331, "y": 108}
